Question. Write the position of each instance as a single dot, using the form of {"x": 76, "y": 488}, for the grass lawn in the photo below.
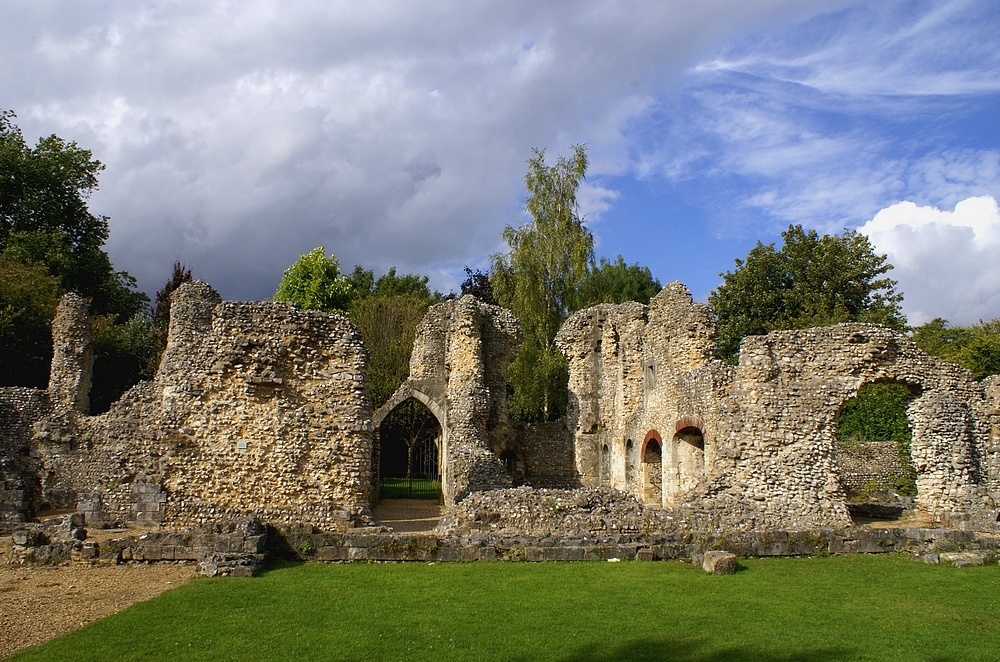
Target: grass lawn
{"x": 839, "y": 608}
{"x": 409, "y": 488}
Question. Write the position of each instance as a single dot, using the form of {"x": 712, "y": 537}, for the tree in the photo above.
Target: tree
{"x": 315, "y": 281}
{"x": 976, "y": 347}
{"x": 44, "y": 219}
{"x": 179, "y": 275}
{"x": 539, "y": 281}
{"x": 477, "y": 283}
{"x": 617, "y": 282}
{"x": 28, "y": 299}
{"x": 50, "y": 243}
{"x": 812, "y": 281}
{"x": 124, "y": 354}
{"x": 388, "y": 324}
{"x": 364, "y": 283}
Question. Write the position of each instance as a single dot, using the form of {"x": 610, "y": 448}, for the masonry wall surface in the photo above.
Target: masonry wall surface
{"x": 257, "y": 409}
{"x": 754, "y": 445}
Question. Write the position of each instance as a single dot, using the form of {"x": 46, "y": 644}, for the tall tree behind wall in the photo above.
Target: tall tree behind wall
{"x": 812, "y": 280}
{"x": 539, "y": 280}
{"x": 976, "y": 347}
{"x": 48, "y": 235}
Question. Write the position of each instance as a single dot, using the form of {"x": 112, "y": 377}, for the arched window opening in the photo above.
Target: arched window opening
{"x": 687, "y": 461}
{"x": 653, "y": 453}
{"x": 873, "y": 451}
{"x": 409, "y": 453}
{"x": 652, "y": 469}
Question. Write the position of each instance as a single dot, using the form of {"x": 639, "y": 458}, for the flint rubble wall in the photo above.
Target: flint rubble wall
{"x": 257, "y": 409}
{"x": 754, "y": 445}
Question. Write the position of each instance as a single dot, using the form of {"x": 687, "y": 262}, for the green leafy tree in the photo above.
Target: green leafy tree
{"x": 618, "y": 282}
{"x": 975, "y": 347}
{"x": 28, "y": 299}
{"x": 124, "y": 354}
{"x": 388, "y": 325}
{"x": 314, "y": 281}
{"x": 539, "y": 280}
{"x": 51, "y": 243}
{"x": 364, "y": 284}
{"x": 44, "y": 219}
{"x": 812, "y": 280}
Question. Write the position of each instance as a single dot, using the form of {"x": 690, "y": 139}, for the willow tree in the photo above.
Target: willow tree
{"x": 539, "y": 280}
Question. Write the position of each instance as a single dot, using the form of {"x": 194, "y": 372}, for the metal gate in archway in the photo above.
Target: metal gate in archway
{"x": 409, "y": 462}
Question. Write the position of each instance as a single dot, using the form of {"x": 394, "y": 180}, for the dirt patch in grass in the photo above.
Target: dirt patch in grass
{"x": 38, "y": 603}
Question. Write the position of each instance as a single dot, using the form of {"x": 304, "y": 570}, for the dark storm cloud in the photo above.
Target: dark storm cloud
{"x": 240, "y": 134}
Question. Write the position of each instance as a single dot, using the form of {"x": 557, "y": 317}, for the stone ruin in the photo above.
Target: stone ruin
{"x": 261, "y": 410}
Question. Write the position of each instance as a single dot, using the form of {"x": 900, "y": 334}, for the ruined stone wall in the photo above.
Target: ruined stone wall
{"x": 20, "y": 485}
{"x": 458, "y": 368}
{"x": 873, "y": 463}
{"x": 257, "y": 408}
{"x": 635, "y": 372}
{"x": 543, "y": 455}
{"x": 755, "y": 446}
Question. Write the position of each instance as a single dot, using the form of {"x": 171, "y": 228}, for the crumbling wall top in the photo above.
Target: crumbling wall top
{"x": 72, "y": 355}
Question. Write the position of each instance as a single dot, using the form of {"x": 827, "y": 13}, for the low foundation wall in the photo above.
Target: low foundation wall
{"x": 241, "y": 547}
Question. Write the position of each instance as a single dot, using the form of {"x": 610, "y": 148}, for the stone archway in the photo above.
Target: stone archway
{"x": 420, "y": 457}
{"x": 652, "y": 469}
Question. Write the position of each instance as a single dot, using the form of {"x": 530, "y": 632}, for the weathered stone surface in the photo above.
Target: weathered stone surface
{"x": 257, "y": 408}
{"x": 261, "y": 409}
{"x": 967, "y": 559}
{"x": 719, "y": 562}
{"x": 754, "y": 446}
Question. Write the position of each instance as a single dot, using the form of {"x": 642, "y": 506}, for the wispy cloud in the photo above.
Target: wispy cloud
{"x": 830, "y": 121}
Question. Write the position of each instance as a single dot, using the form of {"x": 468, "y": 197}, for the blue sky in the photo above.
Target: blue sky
{"x": 238, "y": 135}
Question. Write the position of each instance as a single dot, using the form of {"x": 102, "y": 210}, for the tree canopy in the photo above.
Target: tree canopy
{"x": 44, "y": 219}
{"x": 51, "y": 243}
{"x": 539, "y": 280}
{"x": 812, "y": 280}
{"x": 975, "y": 347}
{"x": 477, "y": 283}
{"x": 618, "y": 282}
{"x": 314, "y": 281}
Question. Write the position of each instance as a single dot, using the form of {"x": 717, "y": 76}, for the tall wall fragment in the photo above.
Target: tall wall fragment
{"x": 257, "y": 408}
{"x": 458, "y": 368}
{"x": 755, "y": 445}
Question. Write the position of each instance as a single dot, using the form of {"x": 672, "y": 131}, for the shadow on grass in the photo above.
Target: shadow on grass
{"x": 652, "y": 650}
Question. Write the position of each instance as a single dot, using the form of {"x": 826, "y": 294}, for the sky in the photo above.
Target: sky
{"x": 240, "y": 134}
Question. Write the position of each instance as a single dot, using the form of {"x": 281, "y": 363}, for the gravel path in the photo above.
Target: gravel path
{"x": 38, "y": 603}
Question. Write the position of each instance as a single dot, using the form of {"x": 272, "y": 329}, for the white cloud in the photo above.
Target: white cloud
{"x": 832, "y": 119}
{"x": 239, "y": 134}
{"x": 945, "y": 261}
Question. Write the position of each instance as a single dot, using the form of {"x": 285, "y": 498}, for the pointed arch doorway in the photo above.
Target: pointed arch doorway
{"x": 411, "y": 436}
{"x": 410, "y": 452}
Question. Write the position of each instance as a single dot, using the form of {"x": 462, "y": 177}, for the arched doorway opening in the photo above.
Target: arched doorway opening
{"x": 687, "y": 461}
{"x": 652, "y": 469}
{"x": 410, "y": 453}
{"x": 873, "y": 451}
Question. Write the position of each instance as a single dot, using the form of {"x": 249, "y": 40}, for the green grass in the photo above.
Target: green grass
{"x": 409, "y": 488}
{"x": 839, "y": 608}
